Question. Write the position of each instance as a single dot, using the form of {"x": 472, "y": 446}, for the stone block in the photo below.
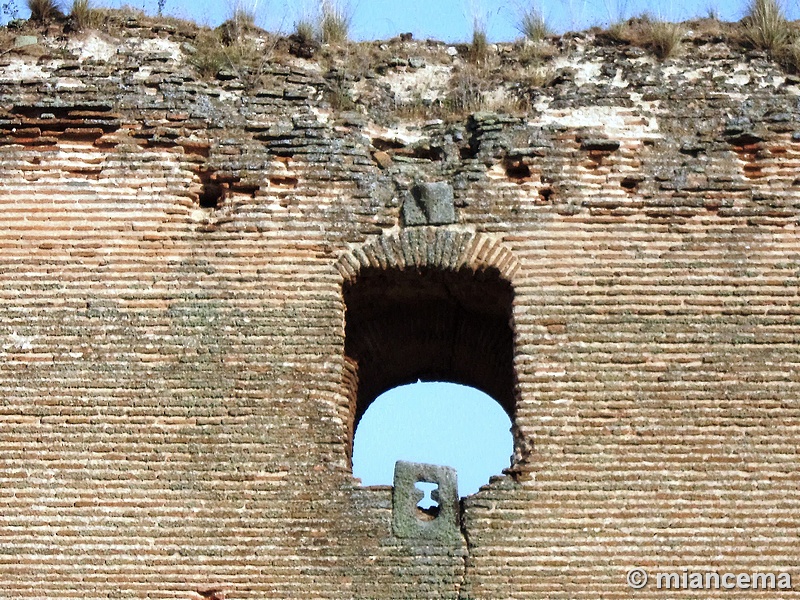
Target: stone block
{"x": 408, "y": 520}
{"x": 25, "y": 40}
{"x": 429, "y": 204}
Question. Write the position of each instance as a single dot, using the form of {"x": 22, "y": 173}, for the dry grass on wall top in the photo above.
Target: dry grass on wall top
{"x": 478, "y": 51}
{"x": 532, "y": 25}
{"x": 766, "y": 27}
{"x": 44, "y": 11}
{"x": 661, "y": 38}
{"x": 334, "y": 23}
{"x": 84, "y": 15}
{"x": 664, "y": 38}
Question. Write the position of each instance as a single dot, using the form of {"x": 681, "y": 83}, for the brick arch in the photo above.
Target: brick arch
{"x": 430, "y": 247}
{"x": 430, "y": 305}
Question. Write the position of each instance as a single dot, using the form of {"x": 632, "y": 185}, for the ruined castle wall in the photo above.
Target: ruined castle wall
{"x": 177, "y": 405}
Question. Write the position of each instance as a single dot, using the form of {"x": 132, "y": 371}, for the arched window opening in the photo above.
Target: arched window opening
{"x": 426, "y": 324}
{"x": 437, "y": 423}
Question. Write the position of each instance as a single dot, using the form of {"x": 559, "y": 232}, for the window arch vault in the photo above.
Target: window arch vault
{"x": 428, "y": 305}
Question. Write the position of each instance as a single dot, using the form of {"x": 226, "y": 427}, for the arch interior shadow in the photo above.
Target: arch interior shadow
{"x": 428, "y": 324}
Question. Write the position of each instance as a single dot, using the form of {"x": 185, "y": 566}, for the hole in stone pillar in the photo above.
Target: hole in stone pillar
{"x": 285, "y": 182}
{"x": 428, "y": 507}
{"x": 211, "y": 593}
{"x": 432, "y": 153}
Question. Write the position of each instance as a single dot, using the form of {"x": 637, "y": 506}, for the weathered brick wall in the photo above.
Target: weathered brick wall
{"x": 177, "y": 400}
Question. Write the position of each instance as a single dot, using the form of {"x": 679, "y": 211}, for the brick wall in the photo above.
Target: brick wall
{"x": 178, "y": 395}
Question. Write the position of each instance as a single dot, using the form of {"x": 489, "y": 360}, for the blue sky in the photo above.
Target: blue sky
{"x": 452, "y": 20}
{"x": 448, "y": 20}
{"x": 437, "y": 423}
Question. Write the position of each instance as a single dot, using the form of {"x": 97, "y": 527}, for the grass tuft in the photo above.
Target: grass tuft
{"x": 532, "y": 25}
{"x": 44, "y": 11}
{"x": 663, "y": 38}
{"x": 766, "y": 27}
{"x": 209, "y": 57}
{"x": 242, "y": 22}
{"x": 467, "y": 92}
{"x": 236, "y": 49}
{"x": 790, "y": 57}
{"x": 84, "y": 15}
{"x": 619, "y": 32}
{"x": 334, "y": 23}
{"x": 304, "y": 30}
{"x": 478, "y": 51}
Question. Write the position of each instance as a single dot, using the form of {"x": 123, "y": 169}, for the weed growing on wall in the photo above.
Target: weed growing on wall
{"x": 532, "y": 24}
{"x": 334, "y": 22}
{"x": 663, "y": 38}
{"x": 479, "y": 47}
{"x": 84, "y": 15}
{"x": 766, "y": 27}
{"x": 43, "y": 11}
{"x": 304, "y": 30}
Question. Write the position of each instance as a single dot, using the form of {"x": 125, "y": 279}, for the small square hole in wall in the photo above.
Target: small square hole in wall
{"x": 212, "y": 195}
{"x": 517, "y": 170}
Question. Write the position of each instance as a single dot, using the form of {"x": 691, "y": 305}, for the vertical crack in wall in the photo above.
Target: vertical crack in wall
{"x": 446, "y": 531}
{"x": 463, "y": 586}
